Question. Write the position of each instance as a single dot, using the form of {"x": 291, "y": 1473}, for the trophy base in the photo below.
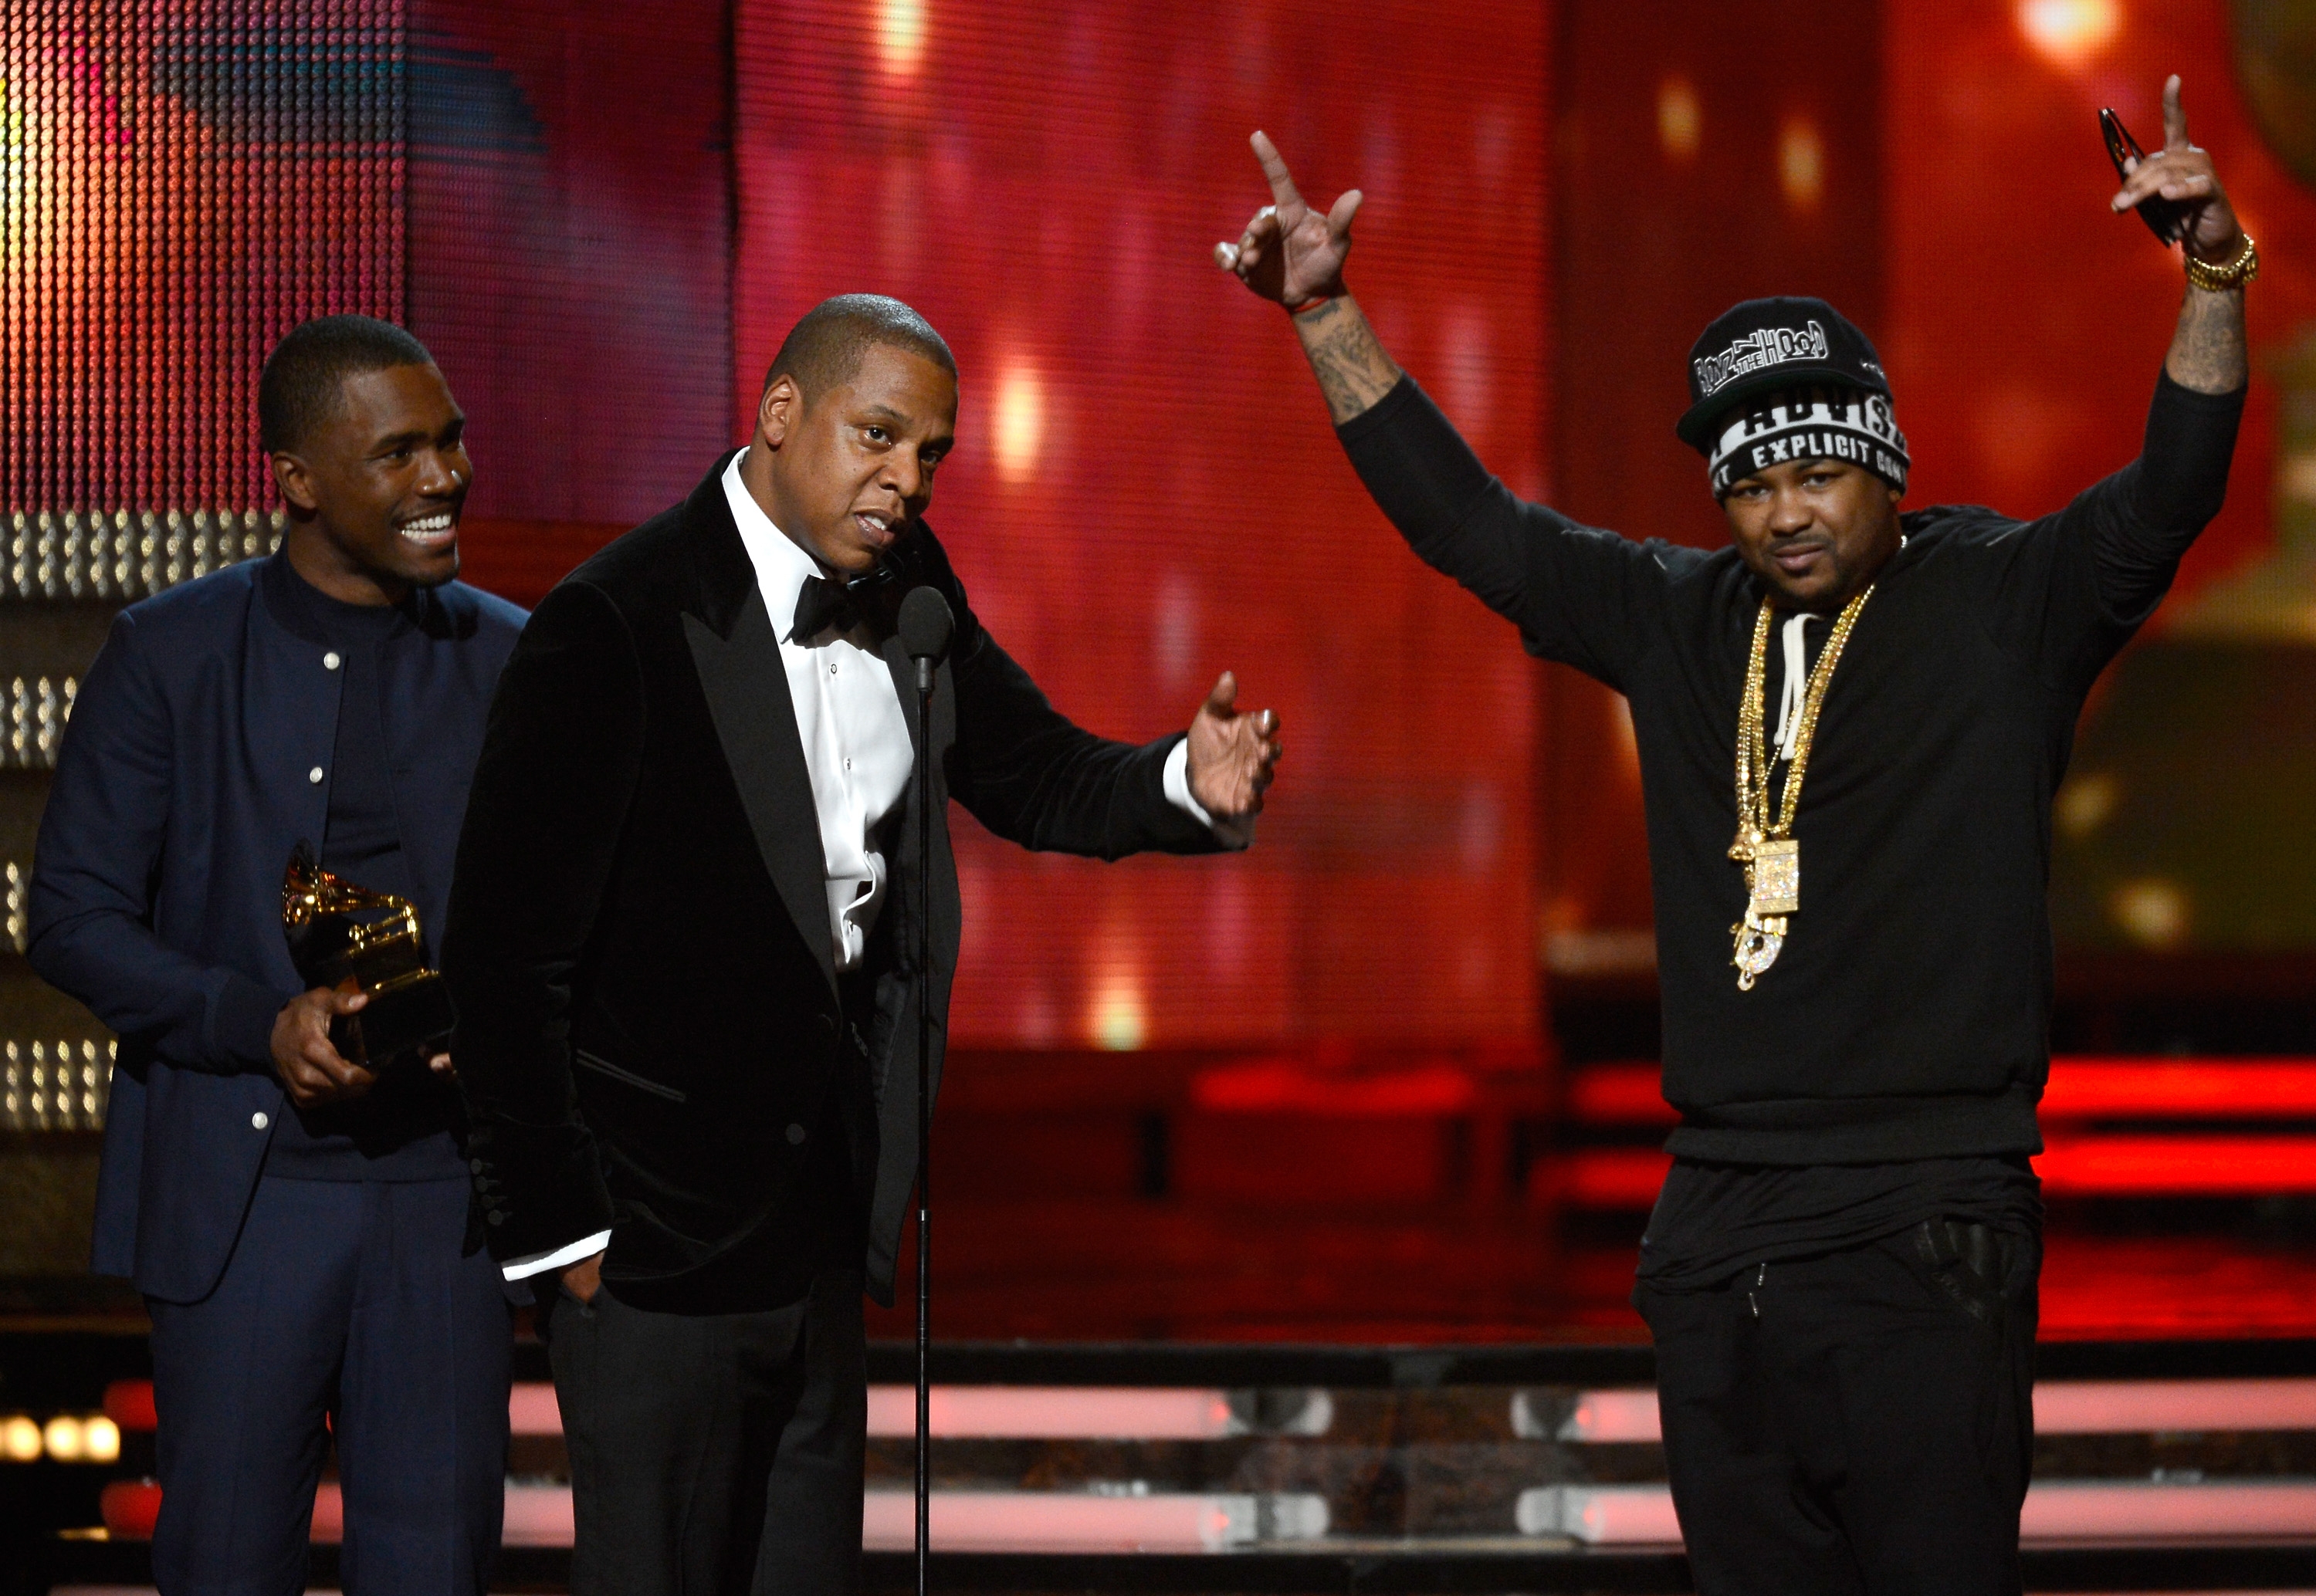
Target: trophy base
{"x": 410, "y": 1014}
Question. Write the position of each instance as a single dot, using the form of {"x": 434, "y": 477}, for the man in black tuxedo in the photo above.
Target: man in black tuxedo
{"x": 682, "y": 950}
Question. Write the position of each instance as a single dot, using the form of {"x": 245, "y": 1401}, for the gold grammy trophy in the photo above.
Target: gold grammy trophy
{"x": 339, "y": 933}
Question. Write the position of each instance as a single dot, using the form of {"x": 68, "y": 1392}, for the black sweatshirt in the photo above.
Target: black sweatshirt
{"x": 1907, "y": 1016}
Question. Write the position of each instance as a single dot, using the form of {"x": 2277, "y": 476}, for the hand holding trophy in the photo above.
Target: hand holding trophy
{"x": 340, "y": 933}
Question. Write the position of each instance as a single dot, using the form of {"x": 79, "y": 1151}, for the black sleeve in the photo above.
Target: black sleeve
{"x": 2071, "y": 587}
{"x": 559, "y": 763}
{"x": 2177, "y": 485}
{"x": 1579, "y": 595}
{"x": 1035, "y": 777}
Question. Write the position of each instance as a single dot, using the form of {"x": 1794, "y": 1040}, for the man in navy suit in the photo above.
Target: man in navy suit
{"x": 297, "y": 1220}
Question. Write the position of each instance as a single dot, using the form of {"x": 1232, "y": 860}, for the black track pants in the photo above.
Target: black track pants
{"x": 1859, "y": 1422}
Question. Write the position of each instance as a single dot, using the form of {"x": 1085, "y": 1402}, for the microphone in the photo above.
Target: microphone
{"x": 926, "y": 627}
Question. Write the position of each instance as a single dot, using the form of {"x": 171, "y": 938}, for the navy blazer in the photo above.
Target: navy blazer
{"x": 197, "y": 757}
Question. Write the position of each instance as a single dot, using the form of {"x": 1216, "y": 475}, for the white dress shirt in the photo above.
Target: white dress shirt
{"x": 857, "y": 749}
{"x": 848, "y": 713}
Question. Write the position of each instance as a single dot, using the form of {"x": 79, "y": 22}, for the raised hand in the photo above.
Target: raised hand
{"x": 2181, "y": 172}
{"x": 1289, "y": 252}
{"x": 1232, "y": 755}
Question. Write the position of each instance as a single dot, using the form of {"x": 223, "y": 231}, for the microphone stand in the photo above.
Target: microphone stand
{"x": 924, "y": 1116}
{"x": 926, "y": 626}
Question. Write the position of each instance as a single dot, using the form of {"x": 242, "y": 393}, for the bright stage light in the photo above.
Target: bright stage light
{"x": 64, "y": 1438}
{"x": 2070, "y": 31}
{"x": 20, "y": 1438}
{"x": 1680, "y": 121}
{"x": 1018, "y": 420}
{"x": 100, "y": 1441}
{"x": 2086, "y": 803}
{"x": 901, "y": 36}
{"x": 1801, "y": 164}
{"x": 2152, "y": 912}
{"x": 1120, "y": 1020}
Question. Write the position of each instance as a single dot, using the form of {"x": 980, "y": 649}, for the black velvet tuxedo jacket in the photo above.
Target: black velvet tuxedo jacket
{"x": 638, "y": 938}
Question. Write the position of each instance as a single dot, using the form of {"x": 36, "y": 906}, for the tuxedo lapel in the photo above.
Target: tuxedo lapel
{"x": 747, "y": 690}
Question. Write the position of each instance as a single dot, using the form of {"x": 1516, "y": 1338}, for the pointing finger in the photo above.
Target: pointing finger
{"x": 2175, "y": 116}
{"x": 1282, "y": 185}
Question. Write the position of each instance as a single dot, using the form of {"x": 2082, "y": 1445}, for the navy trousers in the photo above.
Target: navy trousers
{"x": 346, "y": 1303}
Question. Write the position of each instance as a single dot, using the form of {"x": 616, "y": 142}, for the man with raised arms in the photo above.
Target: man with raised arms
{"x": 1850, "y": 721}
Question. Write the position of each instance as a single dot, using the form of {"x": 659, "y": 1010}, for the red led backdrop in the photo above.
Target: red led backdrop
{"x": 1146, "y": 490}
{"x": 2024, "y": 335}
{"x": 179, "y": 185}
{"x": 602, "y": 216}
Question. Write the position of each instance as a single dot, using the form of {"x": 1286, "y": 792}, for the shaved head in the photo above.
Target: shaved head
{"x": 824, "y": 350}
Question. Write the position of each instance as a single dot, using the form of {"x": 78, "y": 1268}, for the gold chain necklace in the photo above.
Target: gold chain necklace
{"x": 1764, "y": 844}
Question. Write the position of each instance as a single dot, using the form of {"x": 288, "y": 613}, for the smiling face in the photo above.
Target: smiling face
{"x": 1816, "y": 531}
{"x": 845, "y": 471}
{"x": 375, "y": 487}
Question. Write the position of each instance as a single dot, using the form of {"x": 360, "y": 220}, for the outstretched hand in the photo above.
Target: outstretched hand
{"x": 1289, "y": 252}
{"x": 2181, "y": 172}
{"x": 1231, "y": 754}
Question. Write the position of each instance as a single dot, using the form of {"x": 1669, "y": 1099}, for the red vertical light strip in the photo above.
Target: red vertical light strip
{"x": 228, "y": 143}
{"x": 397, "y": 243}
{"x": 40, "y": 380}
{"x": 15, "y": 325}
{"x": 79, "y": 234}
{"x": 148, "y": 319}
{"x": 14, "y": 422}
{"x": 111, "y": 228}
{"x": 63, "y": 323}
{"x": 158, "y": 297}
{"x": 60, "y": 319}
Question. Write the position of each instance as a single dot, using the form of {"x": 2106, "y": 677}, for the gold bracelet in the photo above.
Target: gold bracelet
{"x": 2218, "y": 279}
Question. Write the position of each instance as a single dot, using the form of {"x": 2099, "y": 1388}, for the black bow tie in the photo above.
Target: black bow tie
{"x": 821, "y": 604}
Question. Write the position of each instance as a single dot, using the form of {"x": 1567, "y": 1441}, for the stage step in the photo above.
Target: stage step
{"x": 1292, "y": 1468}
{"x": 2062, "y": 1407}
{"x": 2058, "y": 1513}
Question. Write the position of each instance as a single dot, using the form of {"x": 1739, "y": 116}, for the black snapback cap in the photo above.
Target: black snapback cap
{"x": 1764, "y": 345}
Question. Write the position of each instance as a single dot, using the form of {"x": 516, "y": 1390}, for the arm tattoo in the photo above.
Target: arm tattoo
{"x": 1347, "y": 359}
{"x": 2207, "y": 350}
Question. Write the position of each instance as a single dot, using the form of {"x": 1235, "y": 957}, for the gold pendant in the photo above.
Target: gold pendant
{"x": 1760, "y": 940}
{"x": 1777, "y": 877}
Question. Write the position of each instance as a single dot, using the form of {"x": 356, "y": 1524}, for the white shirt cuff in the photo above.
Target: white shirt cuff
{"x": 1237, "y": 833}
{"x": 562, "y": 1257}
